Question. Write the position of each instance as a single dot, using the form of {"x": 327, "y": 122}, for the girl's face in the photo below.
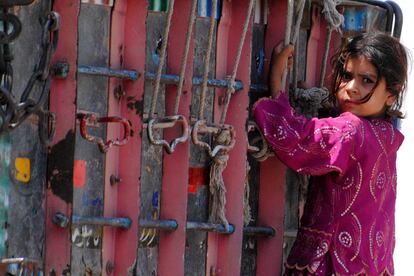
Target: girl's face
{"x": 358, "y": 80}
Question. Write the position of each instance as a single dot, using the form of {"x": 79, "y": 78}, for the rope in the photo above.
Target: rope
{"x": 230, "y": 86}
{"x": 332, "y": 16}
{"x": 162, "y": 59}
{"x": 334, "y": 20}
{"x": 289, "y": 22}
{"x": 207, "y": 62}
{"x": 185, "y": 55}
{"x": 218, "y": 189}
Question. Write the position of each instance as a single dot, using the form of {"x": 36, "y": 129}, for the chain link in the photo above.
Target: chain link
{"x": 12, "y": 111}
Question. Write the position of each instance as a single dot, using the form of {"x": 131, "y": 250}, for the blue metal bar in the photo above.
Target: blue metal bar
{"x": 259, "y": 231}
{"x": 108, "y": 72}
{"x": 167, "y": 224}
{"x": 174, "y": 79}
{"x": 258, "y": 87}
{"x": 62, "y": 220}
{"x": 210, "y": 227}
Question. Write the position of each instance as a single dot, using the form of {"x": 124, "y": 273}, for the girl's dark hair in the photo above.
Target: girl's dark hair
{"x": 388, "y": 56}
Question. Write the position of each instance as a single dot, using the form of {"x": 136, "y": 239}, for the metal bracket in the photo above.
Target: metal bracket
{"x": 92, "y": 120}
{"x": 201, "y": 128}
{"x": 168, "y": 122}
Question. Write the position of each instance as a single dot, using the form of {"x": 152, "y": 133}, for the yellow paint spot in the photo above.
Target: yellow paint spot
{"x": 22, "y": 169}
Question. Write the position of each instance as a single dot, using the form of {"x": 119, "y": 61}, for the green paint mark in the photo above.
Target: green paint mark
{"x": 5, "y": 149}
{"x": 158, "y": 5}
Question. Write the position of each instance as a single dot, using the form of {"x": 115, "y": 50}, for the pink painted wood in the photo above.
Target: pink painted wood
{"x": 62, "y": 102}
{"x": 127, "y": 202}
{"x": 113, "y": 132}
{"x": 224, "y": 251}
{"x": 272, "y": 171}
{"x": 176, "y": 165}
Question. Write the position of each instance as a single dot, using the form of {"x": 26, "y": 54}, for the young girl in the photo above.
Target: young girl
{"x": 348, "y": 223}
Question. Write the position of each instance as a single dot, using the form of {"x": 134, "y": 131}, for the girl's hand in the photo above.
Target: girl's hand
{"x": 281, "y": 59}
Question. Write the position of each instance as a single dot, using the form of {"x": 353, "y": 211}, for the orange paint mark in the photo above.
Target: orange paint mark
{"x": 79, "y": 173}
{"x": 197, "y": 177}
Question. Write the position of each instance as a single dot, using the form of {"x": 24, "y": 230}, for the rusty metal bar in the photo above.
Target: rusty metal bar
{"x": 108, "y": 72}
{"x": 62, "y": 221}
{"x": 259, "y": 231}
{"x": 174, "y": 79}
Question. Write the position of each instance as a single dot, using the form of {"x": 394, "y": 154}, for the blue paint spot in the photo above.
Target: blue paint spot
{"x": 155, "y": 199}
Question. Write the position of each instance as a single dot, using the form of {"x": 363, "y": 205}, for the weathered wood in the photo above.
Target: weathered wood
{"x": 92, "y": 96}
{"x": 26, "y": 232}
{"x": 151, "y": 156}
{"x": 249, "y": 253}
{"x": 197, "y": 206}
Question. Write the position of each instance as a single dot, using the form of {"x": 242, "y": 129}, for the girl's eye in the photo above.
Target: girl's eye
{"x": 367, "y": 80}
{"x": 346, "y": 76}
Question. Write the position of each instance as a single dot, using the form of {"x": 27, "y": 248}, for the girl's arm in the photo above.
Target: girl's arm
{"x": 310, "y": 146}
{"x": 281, "y": 59}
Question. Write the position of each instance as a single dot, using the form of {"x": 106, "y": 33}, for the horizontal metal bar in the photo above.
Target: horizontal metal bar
{"x": 259, "y": 231}
{"x": 168, "y": 224}
{"x": 21, "y": 260}
{"x": 62, "y": 220}
{"x": 258, "y": 87}
{"x": 124, "y": 223}
{"x": 108, "y": 72}
{"x": 210, "y": 227}
{"x": 174, "y": 79}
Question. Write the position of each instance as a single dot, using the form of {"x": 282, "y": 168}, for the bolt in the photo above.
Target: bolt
{"x": 113, "y": 180}
{"x": 60, "y": 69}
{"x": 109, "y": 267}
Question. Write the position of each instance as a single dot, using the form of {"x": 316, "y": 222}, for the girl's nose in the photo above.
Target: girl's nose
{"x": 352, "y": 89}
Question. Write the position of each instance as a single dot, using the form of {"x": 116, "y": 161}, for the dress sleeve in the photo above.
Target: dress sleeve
{"x": 310, "y": 146}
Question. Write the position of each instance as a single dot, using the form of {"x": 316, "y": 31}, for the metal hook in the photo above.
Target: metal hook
{"x": 168, "y": 122}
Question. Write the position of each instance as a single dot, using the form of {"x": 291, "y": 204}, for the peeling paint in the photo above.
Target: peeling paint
{"x": 60, "y": 167}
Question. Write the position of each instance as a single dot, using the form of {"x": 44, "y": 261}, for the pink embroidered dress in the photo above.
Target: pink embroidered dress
{"x": 348, "y": 224}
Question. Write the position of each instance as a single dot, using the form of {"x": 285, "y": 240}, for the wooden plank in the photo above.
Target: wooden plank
{"x": 249, "y": 253}
{"x": 59, "y": 192}
{"x": 128, "y": 203}
{"x": 151, "y": 156}
{"x": 272, "y": 172}
{"x": 176, "y": 165}
{"x": 26, "y": 214}
{"x": 197, "y": 205}
{"x": 228, "y": 260}
{"x": 92, "y": 96}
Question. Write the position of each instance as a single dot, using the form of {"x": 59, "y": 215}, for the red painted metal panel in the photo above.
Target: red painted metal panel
{"x": 224, "y": 252}
{"x": 62, "y": 102}
{"x": 113, "y": 131}
{"x": 176, "y": 166}
{"x": 272, "y": 171}
{"x": 126, "y": 241}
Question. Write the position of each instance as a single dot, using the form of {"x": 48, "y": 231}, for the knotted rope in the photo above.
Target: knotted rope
{"x": 217, "y": 187}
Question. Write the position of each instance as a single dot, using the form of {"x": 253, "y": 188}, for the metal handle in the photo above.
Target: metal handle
{"x": 91, "y": 119}
{"x": 167, "y": 122}
{"x": 201, "y": 127}
{"x": 8, "y": 3}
